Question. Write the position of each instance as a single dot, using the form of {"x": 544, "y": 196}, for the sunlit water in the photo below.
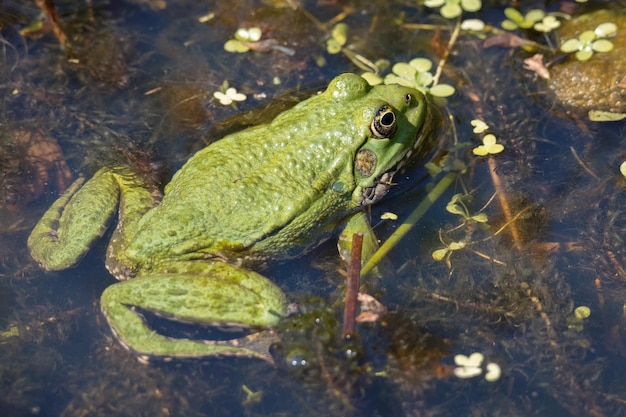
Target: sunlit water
{"x": 139, "y": 89}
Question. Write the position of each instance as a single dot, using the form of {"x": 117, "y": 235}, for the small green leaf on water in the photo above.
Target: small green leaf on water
{"x": 424, "y": 79}
{"x": 602, "y": 45}
{"x": 582, "y": 312}
{"x": 489, "y": 146}
{"x": 451, "y": 11}
{"x": 439, "y": 254}
{"x": 606, "y": 29}
{"x": 421, "y": 64}
{"x": 622, "y": 169}
{"x": 442, "y": 90}
{"x": 456, "y": 245}
{"x": 471, "y": 5}
{"x": 584, "y": 55}
{"x": 474, "y": 25}
{"x": 508, "y": 25}
{"x": 587, "y": 36}
{"x": 570, "y": 45}
{"x": 455, "y": 209}
{"x": 389, "y": 216}
{"x": 248, "y": 34}
{"x": 534, "y": 15}
{"x": 404, "y": 70}
{"x": 434, "y": 3}
{"x": 605, "y": 116}
{"x": 547, "y": 24}
{"x": 371, "y": 78}
{"x": 229, "y": 96}
{"x": 513, "y": 14}
{"x": 480, "y": 218}
{"x": 233, "y": 45}
{"x": 475, "y": 359}
{"x": 394, "y": 79}
{"x": 479, "y": 126}
{"x": 340, "y": 33}
{"x": 332, "y": 46}
{"x": 493, "y": 372}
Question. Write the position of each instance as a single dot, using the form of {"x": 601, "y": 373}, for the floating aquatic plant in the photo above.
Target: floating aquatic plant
{"x": 243, "y": 37}
{"x": 471, "y": 366}
{"x": 451, "y": 9}
{"x": 479, "y": 126}
{"x": 457, "y": 206}
{"x": 468, "y": 366}
{"x": 576, "y": 320}
{"x": 339, "y": 37}
{"x": 536, "y": 19}
{"x": 227, "y": 95}
{"x": 516, "y": 20}
{"x": 591, "y": 41}
{"x": 389, "y": 216}
{"x": 547, "y": 24}
{"x": 605, "y": 116}
{"x": 473, "y": 25}
{"x": 445, "y": 253}
{"x": 622, "y": 168}
{"x": 416, "y": 74}
{"x": 490, "y": 145}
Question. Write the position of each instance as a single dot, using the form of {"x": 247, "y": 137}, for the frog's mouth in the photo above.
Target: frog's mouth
{"x": 382, "y": 184}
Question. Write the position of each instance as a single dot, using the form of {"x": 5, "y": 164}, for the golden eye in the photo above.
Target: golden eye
{"x": 384, "y": 124}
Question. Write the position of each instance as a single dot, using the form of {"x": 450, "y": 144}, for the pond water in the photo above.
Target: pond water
{"x": 529, "y": 240}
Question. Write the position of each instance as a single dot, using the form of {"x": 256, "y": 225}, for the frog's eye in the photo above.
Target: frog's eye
{"x": 384, "y": 124}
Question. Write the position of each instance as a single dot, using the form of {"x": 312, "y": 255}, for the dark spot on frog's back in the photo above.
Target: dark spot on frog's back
{"x": 176, "y": 292}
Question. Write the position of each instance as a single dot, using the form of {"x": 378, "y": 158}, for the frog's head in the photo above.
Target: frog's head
{"x": 395, "y": 124}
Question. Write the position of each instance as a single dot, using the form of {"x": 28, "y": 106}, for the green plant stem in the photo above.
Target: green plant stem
{"x": 408, "y": 224}
{"x": 451, "y": 42}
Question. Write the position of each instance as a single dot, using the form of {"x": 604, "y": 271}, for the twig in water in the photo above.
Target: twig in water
{"x": 352, "y": 286}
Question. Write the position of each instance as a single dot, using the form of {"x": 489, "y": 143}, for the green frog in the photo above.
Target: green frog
{"x": 272, "y": 191}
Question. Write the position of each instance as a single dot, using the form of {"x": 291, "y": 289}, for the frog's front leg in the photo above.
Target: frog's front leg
{"x": 223, "y": 295}
{"x": 358, "y": 223}
{"x": 80, "y": 216}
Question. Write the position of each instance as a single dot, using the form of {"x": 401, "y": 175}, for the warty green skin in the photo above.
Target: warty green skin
{"x": 268, "y": 192}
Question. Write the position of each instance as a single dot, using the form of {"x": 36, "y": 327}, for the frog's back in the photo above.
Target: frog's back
{"x": 249, "y": 186}
{"x": 274, "y": 190}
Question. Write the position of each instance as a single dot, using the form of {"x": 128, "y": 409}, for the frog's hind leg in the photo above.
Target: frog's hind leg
{"x": 80, "y": 216}
{"x": 67, "y": 229}
{"x": 227, "y": 295}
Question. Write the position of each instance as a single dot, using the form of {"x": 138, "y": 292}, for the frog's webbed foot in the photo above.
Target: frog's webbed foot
{"x": 226, "y": 295}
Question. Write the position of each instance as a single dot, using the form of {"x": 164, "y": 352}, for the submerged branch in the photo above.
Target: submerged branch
{"x": 352, "y": 286}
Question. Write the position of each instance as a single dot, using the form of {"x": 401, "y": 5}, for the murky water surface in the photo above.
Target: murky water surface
{"x": 530, "y": 269}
